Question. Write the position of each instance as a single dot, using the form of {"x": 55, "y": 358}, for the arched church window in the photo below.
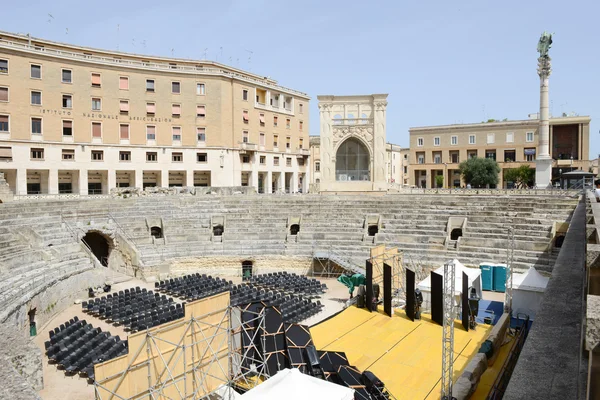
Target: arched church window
{"x": 352, "y": 161}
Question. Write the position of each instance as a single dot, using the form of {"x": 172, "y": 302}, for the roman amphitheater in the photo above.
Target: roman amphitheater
{"x": 54, "y": 250}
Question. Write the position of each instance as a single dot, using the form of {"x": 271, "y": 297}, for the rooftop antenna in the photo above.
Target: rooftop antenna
{"x": 51, "y": 18}
{"x": 220, "y": 57}
{"x": 66, "y": 31}
{"x": 133, "y": 42}
{"x": 562, "y": 108}
{"x": 144, "y": 44}
{"x": 118, "y": 29}
{"x": 172, "y": 52}
{"x": 250, "y": 59}
{"x": 204, "y": 54}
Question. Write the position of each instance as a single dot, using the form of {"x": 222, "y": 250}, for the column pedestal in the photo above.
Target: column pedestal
{"x": 543, "y": 173}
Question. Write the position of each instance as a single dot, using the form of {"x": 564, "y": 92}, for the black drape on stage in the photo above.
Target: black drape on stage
{"x": 410, "y": 294}
{"x": 387, "y": 289}
{"x": 437, "y": 298}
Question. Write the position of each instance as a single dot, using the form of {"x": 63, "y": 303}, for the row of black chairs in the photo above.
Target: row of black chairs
{"x": 136, "y": 309}
{"x": 76, "y": 346}
{"x": 294, "y": 308}
{"x": 290, "y": 292}
{"x": 193, "y": 287}
{"x": 290, "y": 283}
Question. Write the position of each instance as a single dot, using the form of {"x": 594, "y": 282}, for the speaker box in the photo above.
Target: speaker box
{"x": 376, "y": 291}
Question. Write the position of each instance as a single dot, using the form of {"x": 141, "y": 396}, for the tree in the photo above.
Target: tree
{"x": 439, "y": 180}
{"x": 520, "y": 176}
{"x": 479, "y": 171}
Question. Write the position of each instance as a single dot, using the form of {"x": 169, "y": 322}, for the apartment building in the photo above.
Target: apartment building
{"x": 76, "y": 120}
{"x": 438, "y": 150}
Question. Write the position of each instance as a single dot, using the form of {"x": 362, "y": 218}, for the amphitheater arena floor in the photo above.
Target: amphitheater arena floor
{"x": 58, "y": 386}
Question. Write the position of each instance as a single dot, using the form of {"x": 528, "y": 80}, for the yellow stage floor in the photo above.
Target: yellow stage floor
{"x": 405, "y": 355}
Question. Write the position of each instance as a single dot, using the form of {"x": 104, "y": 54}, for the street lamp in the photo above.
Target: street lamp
{"x": 559, "y": 178}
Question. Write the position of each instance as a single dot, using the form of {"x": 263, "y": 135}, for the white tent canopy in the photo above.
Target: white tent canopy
{"x": 291, "y": 384}
{"x": 473, "y": 275}
{"x": 528, "y": 291}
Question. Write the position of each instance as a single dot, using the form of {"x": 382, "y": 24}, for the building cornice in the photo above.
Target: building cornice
{"x": 20, "y": 43}
{"x": 500, "y": 124}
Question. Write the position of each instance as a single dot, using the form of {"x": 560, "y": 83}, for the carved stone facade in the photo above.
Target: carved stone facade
{"x": 362, "y": 118}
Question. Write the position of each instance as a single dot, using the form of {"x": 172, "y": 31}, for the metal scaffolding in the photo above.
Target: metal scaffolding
{"x": 205, "y": 360}
{"x": 510, "y": 251}
{"x": 448, "y": 331}
{"x": 395, "y": 260}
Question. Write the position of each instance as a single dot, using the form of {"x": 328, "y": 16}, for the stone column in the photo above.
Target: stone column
{"x": 254, "y": 172}
{"x": 139, "y": 179}
{"x": 53, "y": 181}
{"x": 83, "y": 182}
{"x": 269, "y": 182}
{"x": 164, "y": 178}
{"x": 189, "y": 178}
{"x": 21, "y": 181}
{"x": 111, "y": 180}
{"x": 543, "y": 163}
{"x": 294, "y": 184}
{"x": 282, "y": 181}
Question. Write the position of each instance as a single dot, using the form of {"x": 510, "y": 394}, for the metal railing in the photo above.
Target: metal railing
{"x": 503, "y": 378}
{"x": 482, "y": 191}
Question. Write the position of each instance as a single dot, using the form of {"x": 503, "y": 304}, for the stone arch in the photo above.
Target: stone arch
{"x": 100, "y": 244}
{"x": 247, "y": 266}
{"x": 353, "y": 160}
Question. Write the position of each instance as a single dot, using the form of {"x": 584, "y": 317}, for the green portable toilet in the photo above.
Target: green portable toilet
{"x": 499, "y": 273}
{"x": 487, "y": 277}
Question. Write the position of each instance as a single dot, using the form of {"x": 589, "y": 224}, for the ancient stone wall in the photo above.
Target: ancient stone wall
{"x": 20, "y": 365}
{"x": 54, "y": 299}
{"x": 227, "y": 266}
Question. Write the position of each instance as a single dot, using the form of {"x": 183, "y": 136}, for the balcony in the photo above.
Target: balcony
{"x": 302, "y": 152}
{"x": 262, "y": 106}
{"x": 246, "y": 147}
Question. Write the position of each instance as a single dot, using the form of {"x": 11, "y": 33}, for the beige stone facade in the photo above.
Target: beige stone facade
{"x": 438, "y": 150}
{"x": 397, "y": 161}
{"x": 352, "y": 143}
{"x": 84, "y": 121}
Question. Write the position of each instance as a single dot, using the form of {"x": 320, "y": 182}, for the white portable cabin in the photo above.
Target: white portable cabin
{"x": 473, "y": 274}
{"x": 528, "y": 292}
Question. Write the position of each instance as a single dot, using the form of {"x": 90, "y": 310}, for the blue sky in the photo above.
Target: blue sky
{"x": 441, "y": 62}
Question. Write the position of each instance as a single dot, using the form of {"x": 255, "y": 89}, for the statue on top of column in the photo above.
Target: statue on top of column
{"x": 544, "y": 44}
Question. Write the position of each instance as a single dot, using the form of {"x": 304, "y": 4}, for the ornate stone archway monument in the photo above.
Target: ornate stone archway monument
{"x": 353, "y": 136}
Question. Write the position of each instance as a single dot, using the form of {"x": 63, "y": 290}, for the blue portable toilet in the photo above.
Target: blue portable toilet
{"x": 487, "y": 276}
{"x": 499, "y": 273}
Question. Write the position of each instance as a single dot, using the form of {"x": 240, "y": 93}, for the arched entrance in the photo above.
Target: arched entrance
{"x": 156, "y": 232}
{"x": 352, "y": 161}
{"x": 294, "y": 229}
{"x": 99, "y": 245}
{"x": 246, "y": 269}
